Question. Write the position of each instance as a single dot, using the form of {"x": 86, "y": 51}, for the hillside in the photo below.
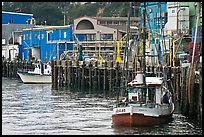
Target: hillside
{"x": 72, "y": 10}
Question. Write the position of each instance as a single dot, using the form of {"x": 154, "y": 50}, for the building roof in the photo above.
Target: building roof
{"x": 7, "y": 29}
{"x": 47, "y": 27}
{"x": 17, "y": 13}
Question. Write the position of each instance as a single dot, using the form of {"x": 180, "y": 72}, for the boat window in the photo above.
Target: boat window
{"x": 151, "y": 94}
{"x": 45, "y": 66}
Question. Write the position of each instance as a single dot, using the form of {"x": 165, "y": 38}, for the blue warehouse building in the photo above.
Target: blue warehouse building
{"x": 45, "y": 43}
{"x": 153, "y": 12}
{"x": 156, "y": 18}
{"x": 17, "y": 18}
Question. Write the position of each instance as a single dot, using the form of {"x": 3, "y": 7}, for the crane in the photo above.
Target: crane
{"x": 119, "y": 48}
{"x": 80, "y": 48}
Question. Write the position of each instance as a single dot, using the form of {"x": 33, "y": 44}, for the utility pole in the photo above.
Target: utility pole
{"x": 64, "y": 11}
{"x": 64, "y": 15}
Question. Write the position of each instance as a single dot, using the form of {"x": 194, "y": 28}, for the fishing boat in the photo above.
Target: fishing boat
{"x": 40, "y": 75}
{"x": 144, "y": 105}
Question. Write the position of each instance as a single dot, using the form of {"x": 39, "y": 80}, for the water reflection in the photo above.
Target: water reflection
{"x": 178, "y": 126}
{"x": 37, "y": 109}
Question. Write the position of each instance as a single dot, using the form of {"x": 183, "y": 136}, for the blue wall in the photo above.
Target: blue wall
{"x": 199, "y": 34}
{"x": 18, "y": 18}
{"x": 153, "y": 10}
{"x": 80, "y": 37}
{"x": 153, "y": 19}
{"x": 45, "y": 40}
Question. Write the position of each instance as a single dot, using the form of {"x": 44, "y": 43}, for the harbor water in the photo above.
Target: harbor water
{"x": 37, "y": 109}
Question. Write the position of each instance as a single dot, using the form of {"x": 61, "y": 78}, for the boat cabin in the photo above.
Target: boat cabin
{"x": 41, "y": 68}
{"x": 152, "y": 92}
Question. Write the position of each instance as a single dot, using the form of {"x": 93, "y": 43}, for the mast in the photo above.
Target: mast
{"x": 125, "y": 58}
{"x": 144, "y": 43}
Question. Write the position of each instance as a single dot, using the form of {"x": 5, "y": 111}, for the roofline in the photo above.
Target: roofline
{"x": 110, "y": 18}
{"x": 17, "y": 13}
{"x": 47, "y": 28}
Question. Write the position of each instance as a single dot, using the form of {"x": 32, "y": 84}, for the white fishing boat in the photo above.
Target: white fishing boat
{"x": 144, "y": 105}
{"x": 41, "y": 74}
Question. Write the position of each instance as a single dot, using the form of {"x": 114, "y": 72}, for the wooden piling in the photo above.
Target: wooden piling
{"x": 15, "y": 69}
{"x": 69, "y": 71}
{"x": 99, "y": 79}
{"x": 191, "y": 91}
{"x": 83, "y": 75}
{"x": 66, "y": 73}
{"x": 105, "y": 79}
{"x": 77, "y": 77}
{"x": 90, "y": 76}
{"x": 184, "y": 95}
{"x": 111, "y": 76}
{"x": 95, "y": 82}
{"x": 200, "y": 96}
{"x": 55, "y": 74}
{"x": 4, "y": 69}
{"x": 117, "y": 82}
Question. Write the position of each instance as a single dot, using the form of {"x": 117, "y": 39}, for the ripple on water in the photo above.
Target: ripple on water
{"x": 35, "y": 110}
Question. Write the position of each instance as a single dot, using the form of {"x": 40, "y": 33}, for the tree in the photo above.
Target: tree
{"x": 23, "y": 7}
{"x": 48, "y": 12}
{"x": 53, "y": 12}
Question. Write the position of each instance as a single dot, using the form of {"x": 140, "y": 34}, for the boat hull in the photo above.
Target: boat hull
{"x": 139, "y": 120}
{"x": 138, "y": 116}
{"x": 35, "y": 78}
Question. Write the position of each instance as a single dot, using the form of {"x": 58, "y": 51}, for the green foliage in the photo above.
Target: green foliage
{"x": 116, "y": 9}
{"x": 53, "y": 12}
{"x": 47, "y": 11}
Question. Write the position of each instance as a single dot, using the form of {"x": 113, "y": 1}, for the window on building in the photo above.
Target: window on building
{"x": 49, "y": 36}
{"x": 26, "y": 37}
{"x": 122, "y": 22}
{"x": 65, "y": 35}
{"x": 43, "y": 36}
{"x": 106, "y": 37}
{"x": 90, "y": 37}
{"x": 109, "y": 22}
{"x": 3, "y": 41}
{"x": 10, "y": 21}
{"x": 39, "y": 36}
{"x": 102, "y": 22}
{"x": 115, "y": 22}
{"x": 35, "y": 36}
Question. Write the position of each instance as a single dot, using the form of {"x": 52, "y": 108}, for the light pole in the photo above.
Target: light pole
{"x": 64, "y": 12}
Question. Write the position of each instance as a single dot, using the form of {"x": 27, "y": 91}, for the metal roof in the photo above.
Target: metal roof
{"x": 17, "y": 13}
